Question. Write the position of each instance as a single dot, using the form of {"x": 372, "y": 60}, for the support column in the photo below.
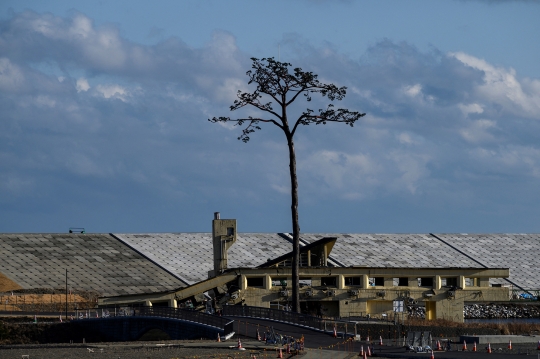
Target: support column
{"x": 341, "y": 281}
{"x": 461, "y": 281}
{"x": 173, "y": 303}
{"x": 437, "y": 283}
{"x": 267, "y": 282}
{"x": 243, "y": 282}
{"x": 365, "y": 281}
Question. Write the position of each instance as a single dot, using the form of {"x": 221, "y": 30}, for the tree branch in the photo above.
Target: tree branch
{"x": 328, "y": 115}
{"x": 250, "y": 128}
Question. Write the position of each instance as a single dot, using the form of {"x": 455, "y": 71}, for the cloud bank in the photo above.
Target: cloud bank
{"x": 99, "y": 129}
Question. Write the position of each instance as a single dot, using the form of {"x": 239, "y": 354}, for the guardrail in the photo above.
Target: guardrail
{"x": 163, "y": 312}
{"x": 341, "y": 327}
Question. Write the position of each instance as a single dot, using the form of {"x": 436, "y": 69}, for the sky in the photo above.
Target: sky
{"x": 104, "y": 109}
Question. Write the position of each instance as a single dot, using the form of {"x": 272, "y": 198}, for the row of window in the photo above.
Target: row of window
{"x": 357, "y": 281}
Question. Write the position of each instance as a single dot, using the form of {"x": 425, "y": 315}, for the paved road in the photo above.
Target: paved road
{"x": 321, "y": 345}
{"x": 247, "y": 328}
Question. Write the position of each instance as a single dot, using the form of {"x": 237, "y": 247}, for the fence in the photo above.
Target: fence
{"x": 164, "y": 312}
{"x": 52, "y": 301}
{"x": 342, "y": 327}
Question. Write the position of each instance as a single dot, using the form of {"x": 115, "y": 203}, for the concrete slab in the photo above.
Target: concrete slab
{"x": 40, "y": 260}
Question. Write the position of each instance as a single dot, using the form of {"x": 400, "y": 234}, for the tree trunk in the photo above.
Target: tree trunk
{"x": 296, "y": 227}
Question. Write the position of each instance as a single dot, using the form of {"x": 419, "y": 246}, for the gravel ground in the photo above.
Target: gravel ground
{"x": 131, "y": 350}
{"x": 117, "y": 352}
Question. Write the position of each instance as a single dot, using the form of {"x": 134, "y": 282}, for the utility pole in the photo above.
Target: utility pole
{"x": 66, "y": 294}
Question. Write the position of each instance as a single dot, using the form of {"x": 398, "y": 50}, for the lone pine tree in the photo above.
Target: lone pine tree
{"x": 281, "y": 87}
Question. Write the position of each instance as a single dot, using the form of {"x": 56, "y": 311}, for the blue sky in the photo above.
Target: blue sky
{"x": 104, "y": 108}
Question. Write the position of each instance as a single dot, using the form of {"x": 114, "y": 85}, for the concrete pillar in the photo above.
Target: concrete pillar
{"x": 309, "y": 258}
{"x": 365, "y": 281}
{"x": 388, "y": 282}
{"x": 437, "y": 282}
{"x": 461, "y": 281}
{"x": 147, "y": 303}
{"x": 267, "y": 282}
{"x": 413, "y": 282}
{"x": 341, "y": 281}
{"x": 173, "y": 303}
{"x": 242, "y": 282}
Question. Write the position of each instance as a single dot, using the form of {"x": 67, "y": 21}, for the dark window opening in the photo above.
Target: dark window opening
{"x": 230, "y": 231}
{"x": 316, "y": 260}
{"x": 353, "y": 280}
{"x": 425, "y": 282}
{"x": 378, "y": 281}
{"x": 329, "y": 281}
{"x": 303, "y": 259}
{"x": 255, "y": 282}
{"x": 160, "y": 304}
{"x": 403, "y": 282}
{"x": 450, "y": 282}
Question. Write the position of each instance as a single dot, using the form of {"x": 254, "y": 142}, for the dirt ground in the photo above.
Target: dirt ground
{"x": 133, "y": 350}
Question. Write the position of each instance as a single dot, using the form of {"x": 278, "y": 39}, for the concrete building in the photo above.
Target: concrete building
{"x": 342, "y": 274}
{"x": 330, "y": 288}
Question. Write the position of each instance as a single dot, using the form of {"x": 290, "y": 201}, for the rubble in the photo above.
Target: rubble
{"x": 500, "y": 311}
{"x": 486, "y": 311}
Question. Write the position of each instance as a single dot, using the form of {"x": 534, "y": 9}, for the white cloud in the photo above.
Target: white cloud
{"x": 411, "y": 169}
{"x": 46, "y": 101}
{"x": 82, "y": 85}
{"x": 413, "y": 90}
{"x": 113, "y": 91}
{"x": 511, "y": 160}
{"x": 407, "y": 138}
{"x": 470, "y": 108}
{"x": 351, "y": 175}
{"x": 502, "y": 87}
{"x": 477, "y": 131}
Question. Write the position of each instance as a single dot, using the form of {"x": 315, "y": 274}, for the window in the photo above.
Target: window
{"x": 329, "y": 281}
{"x": 376, "y": 281}
{"x": 230, "y": 231}
{"x": 425, "y": 282}
{"x": 303, "y": 259}
{"x": 316, "y": 260}
{"x": 401, "y": 282}
{"x": 279, "y": 281}
{"x": 255, "y": 282}
{"x": 449, "y": 282}
{"x": 351, "y": 281}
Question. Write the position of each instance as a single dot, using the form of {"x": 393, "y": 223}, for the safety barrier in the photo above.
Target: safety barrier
{"x": 341, "y": 327}
{"x": 165, "y": 312}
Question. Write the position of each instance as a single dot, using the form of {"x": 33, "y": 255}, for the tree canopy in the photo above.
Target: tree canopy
{"x": 276, "y": 89}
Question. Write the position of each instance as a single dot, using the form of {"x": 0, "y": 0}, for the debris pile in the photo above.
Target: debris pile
{"x": 415, "y": 311}
{"x": 488, "y": 311}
